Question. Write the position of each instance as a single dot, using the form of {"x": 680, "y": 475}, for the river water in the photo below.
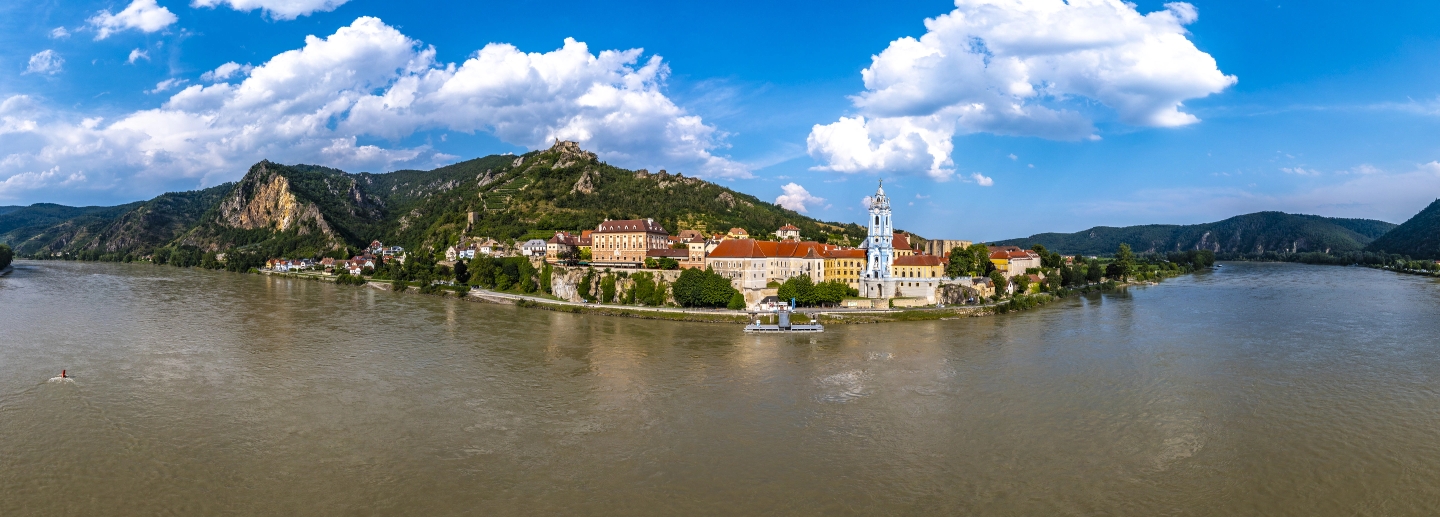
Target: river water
{"x": 1257, "y": 389}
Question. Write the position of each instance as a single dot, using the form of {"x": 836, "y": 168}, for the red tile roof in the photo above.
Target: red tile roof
{"x": 846, "y": 254}
{"x": 750, "y": 248}
{"x": 630, "y": 225}
{"x": 918, "y": 260}
{"x": 789, "y": 228}
{"x": 900, "y": 241}
{"x": 1011, "y": 255}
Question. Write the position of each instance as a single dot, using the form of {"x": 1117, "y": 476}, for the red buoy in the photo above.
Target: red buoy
{"x": 62, "y": 374}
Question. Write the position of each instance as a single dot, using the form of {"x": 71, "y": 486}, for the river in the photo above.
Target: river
{"x": 1255, "y": 389}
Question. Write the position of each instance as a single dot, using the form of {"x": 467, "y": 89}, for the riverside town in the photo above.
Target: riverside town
{"x": 638, "y": 262}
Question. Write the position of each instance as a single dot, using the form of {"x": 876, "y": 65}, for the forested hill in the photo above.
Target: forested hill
{"x": 1419, "y": 237}
{"x": 305, "y": 210}
{"x": 1246, "y": 234}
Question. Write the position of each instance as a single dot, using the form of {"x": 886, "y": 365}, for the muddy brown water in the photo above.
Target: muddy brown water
{"x": 1257, "y": 389}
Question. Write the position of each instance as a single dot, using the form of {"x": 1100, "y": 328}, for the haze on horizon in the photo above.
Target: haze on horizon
{"x": 988, "y": 119}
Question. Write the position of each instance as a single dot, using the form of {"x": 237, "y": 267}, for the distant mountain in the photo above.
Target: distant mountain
{"x": 1419, "y": 237}
{"x": 7, "y": 209}
{"x": 1247, "y": 234}
{"x": 307, "y": 210}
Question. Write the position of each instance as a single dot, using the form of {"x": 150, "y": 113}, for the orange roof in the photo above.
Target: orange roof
{"x": 900, "y": 242}
{"x": 994, "y": 249}
{"x": 738, "y": 231}
{"x": 789, "y": 228}
{"x": 1011, "y": 255}
{"x": 917, "y": 260}
{"x": 750, "y": 248}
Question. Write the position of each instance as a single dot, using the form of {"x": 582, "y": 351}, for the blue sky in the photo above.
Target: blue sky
{"x": 994, "y": 119}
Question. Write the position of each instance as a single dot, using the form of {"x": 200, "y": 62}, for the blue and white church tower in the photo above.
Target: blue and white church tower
{"x": 875, "y": 281}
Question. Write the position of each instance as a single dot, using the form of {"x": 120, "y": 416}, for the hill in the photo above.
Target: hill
{"x": 1245, "y": 234}
{"x": 308, "y": 210}
{"x": 1418, "y": 237}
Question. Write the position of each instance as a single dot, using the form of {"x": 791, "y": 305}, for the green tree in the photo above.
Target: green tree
{"x": 1124, "y": 262}
{"x": 607, "y": 289}
{"x": 798, "y": 288}
{"x": 547, "y": 274}
{"x": 585, "y": 283}
{"x": 6, "y": 256}
{"x": 1022, "y": 284}
{"x": 981, "y": 256}
{"x": 737, "y": 302}
{"x": 696, "y": 288}
{"x": 998, "y": 279}
{"x": 962, "y": 263}
{"x": 462, "y": 272}
{"x": 1093, "y": 271}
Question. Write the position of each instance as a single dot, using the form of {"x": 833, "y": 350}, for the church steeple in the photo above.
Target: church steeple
{"x": 879, "y": 244}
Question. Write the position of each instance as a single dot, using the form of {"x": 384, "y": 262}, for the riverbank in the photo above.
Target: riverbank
{"x": 7, "y": 270}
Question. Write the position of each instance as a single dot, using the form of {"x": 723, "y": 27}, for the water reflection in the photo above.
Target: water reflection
{"x": 1259, "y": 389}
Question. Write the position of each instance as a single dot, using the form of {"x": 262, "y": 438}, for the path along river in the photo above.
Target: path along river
{"x": 1256, "y": 389}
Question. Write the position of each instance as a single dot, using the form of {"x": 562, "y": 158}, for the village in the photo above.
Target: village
{"x": 890, "y": 269}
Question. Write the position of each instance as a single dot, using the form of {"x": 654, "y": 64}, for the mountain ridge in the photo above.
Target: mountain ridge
{"x": 1418, "y": 237}
{"x": 309, "y": 210}
{"x": 1253, "y": 233}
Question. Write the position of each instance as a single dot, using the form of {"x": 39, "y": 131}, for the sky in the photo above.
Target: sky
{"x": 986, "y": 119}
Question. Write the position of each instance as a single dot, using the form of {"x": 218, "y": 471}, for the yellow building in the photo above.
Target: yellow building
{"x": 845, "y": 266}
{"x": 918, "y": 266}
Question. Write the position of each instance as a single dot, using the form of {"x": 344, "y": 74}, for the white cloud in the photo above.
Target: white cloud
{"x": 884, "y": 144}
{"x": 29, "y": 181}
{"x": 136, "y": 55}
{"x": 1300, "y": 171}
{"x": 59, "y": 33}
{"x": 982, "y": 180}
{"x": 45, "y": 62}
{"x": 277, "y": 9}
{"x": 797, "y": 198}
{"x": 145, "y": 15}
{"x": 346, "y": 99}
{"x": 1013, "y": 157}
{"x": 1016, "y": 67}
{"x": 166, "y": 85}
{"x": 226, "y": 71}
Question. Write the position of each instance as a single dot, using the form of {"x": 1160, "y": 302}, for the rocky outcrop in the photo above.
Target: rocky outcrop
{"x": 584, "y": 185}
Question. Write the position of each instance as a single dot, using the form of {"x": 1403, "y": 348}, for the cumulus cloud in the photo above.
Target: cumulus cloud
{"x": 45, "y": 62}
{"x": 1017, "y": 67}
{"x": 277, "y": 9}
{"x": 797, "y": 198}
{"x": 1300, "y": 171}
{"x": 29, "y": 181}
{"x": 59, "y": 33}
{"x": 982, "y": 180}
{"x": 225, "y": 72}
{"x": 136, "y": 55}
{"x": 338, "y": 100}
{"x": 145, "y": 15}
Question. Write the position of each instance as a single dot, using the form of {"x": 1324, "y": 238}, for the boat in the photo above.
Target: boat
{"x": 782, "y": 322}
